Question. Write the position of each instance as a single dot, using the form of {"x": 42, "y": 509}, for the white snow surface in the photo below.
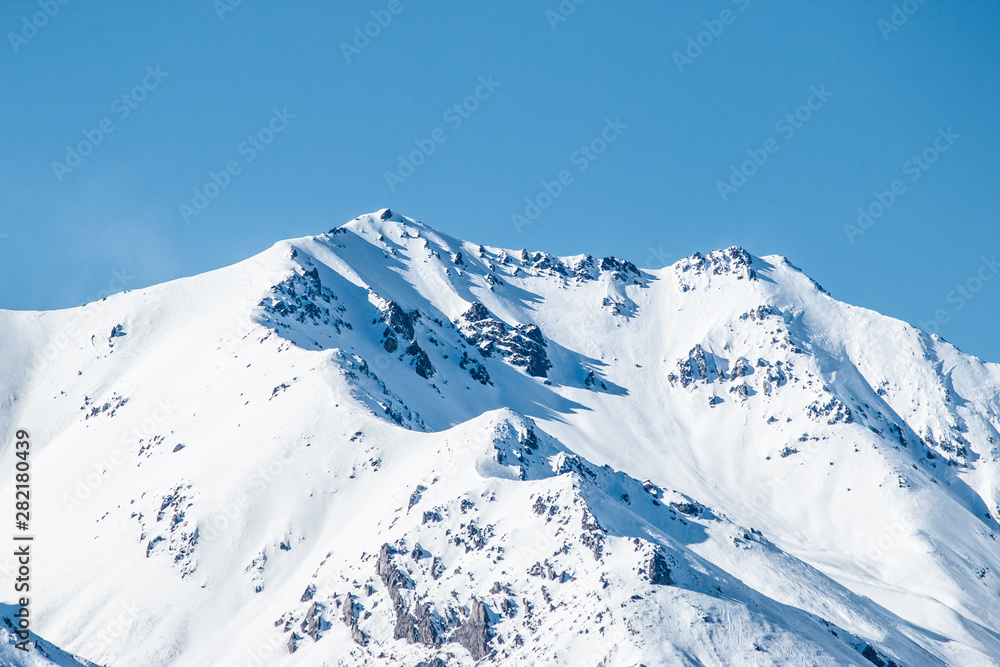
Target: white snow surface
{"x": 325, "y": 455}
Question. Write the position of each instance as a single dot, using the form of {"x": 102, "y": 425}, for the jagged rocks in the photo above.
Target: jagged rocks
{"x": 896, "y": 432}
{"x": 180, "y": 539}
{"x": 418, "y": 623}
{"x": 303, "y": 298}
{"x": 759, "y": 313}
{"x": 393, "y": 578}
{"x": 421, "y": 362}
{"x": 703, "y": 366}
{"x": 742, "y": 391}
{"x": 687, "y": 507}
{"x": 474, "y": 538}
{"x": 437, "y": 568}
{"x": 548, "y": 572}
{"x": 256, "y": 571}
{"x": 433, "y": 662}
{"x": 733, "y": 261}
{"x": 564, "y": 463}
{"x": 592, "y": 535}
{"x": 415, "y": 496}
{"x": 475, "y": 634}
{"x": 774, "y": 376}
{"x": 871, "y": 655}
{"x": 658, "y": 570}
{"x": 350, "y": 614}
{"x": 740, "y": 368}
{"x": 109, "y": 408}
{"x": 476, "y": 370}
{"x": 834, "y": 411}
{"x": 314, "y": 623}
{"x": 522, "y": 345}
{"x": 621, "y": 270}
{"x": 592, "y": 381}
{"x": 787, "y": 451}
{"x": 419, "y": 627}
{"x": 697, "y": 366}
{"x": 401, "y": 324}
{"x": 540, "y": 261}
{"x": 116, "y": 332}
{"x": 584, "y": 268}
{"x": 399, "y": 320}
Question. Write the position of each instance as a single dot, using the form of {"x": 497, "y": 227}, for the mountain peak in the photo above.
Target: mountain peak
{"x": 391, "y": 446}
{"x": 382, "y": 220}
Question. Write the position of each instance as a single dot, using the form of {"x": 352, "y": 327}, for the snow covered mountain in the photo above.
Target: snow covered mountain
{"x": 386, "y": 446}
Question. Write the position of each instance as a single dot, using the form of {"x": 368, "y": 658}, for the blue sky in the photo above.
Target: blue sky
{"x": 646, "y": 130}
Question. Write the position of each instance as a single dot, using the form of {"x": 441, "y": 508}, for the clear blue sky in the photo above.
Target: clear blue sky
{"x": 673, "y": 126}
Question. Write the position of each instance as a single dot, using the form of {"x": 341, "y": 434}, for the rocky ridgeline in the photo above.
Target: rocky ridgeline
{"x": 733, "y": 261}
{"x": 522, "y": 345}
{"x": 589, "y": 268}
{"x": 401, "y": 324}
{"x": 302, "y": 298}
{"x": 585, "y": 268}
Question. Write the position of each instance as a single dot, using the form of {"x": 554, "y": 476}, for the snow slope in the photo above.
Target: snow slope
{"x": 386, "y": 446}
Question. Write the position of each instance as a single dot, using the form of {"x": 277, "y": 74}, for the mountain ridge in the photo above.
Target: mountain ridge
{"x": 729, "y": 393}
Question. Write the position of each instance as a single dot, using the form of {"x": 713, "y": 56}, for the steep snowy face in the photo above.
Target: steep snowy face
{"x": 385, "y": 445}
